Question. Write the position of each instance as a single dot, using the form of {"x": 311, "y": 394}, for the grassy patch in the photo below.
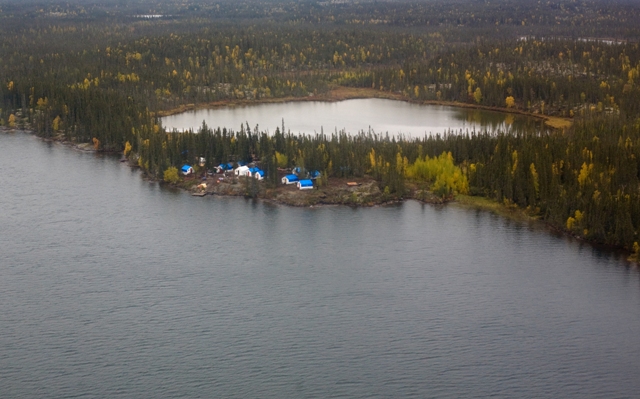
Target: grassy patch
{"x": 509, "y": 211}
{"x": 344, "y": 93}
{"x": 557, "y": 122}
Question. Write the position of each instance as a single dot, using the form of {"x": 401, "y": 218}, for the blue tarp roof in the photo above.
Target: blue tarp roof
{"x": 254, "y": 169}
{"x": 261, "y": 173}
{"x": 292, "y": 177}
{"x": 185, "y": 168}
{"x": 306, "y": 183}
{"x": 315, "y": 174}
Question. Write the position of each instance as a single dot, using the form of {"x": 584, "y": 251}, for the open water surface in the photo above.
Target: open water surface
{"x": 371, "y": 114}
{"x": 111, "y": 286}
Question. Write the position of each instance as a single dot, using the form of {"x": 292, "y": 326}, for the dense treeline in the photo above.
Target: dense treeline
{"x": 586, "y": 181}
{"x": 101, "y": 72}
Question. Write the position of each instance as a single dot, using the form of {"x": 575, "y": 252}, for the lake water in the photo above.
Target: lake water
{"x": 378, "y": 115}
{"x": 111, "y": 286}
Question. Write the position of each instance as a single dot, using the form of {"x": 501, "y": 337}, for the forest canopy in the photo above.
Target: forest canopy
{"x": 102, "y": 72}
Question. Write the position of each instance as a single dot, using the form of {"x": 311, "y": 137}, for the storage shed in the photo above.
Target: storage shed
{"x": 186, "y": 170}
{"x": 305, "y": 184}
{"x": 223, "y": 167}
{"x": 290, "y": 179}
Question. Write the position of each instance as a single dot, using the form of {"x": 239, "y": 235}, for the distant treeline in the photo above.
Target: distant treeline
{"x": 101, "y": 72}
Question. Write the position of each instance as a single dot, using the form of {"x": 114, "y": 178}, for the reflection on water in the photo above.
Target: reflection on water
{"x": 498, "y": 121}
{"x": 509, "y": 119}
{"x": 369, "y": 115}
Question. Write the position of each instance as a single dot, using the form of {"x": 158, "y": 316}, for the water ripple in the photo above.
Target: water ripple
{"x": 123, "y": 289}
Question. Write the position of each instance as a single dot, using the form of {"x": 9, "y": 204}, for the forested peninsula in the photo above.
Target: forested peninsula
{"x": 104, "y": 72}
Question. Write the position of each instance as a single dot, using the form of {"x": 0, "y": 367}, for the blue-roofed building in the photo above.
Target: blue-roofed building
{"x": 256, "y": 172}
{"x": 186, "y": 170}
{"x": 306, "y": 184}
{"x": 314, "y": 174}
{"x": 290, "y": 179}
{"x": 223, "y": 167}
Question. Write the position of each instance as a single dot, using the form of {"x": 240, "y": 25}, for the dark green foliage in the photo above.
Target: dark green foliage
{"x": 593, "y": 169}
{"x": 79, "y": 71}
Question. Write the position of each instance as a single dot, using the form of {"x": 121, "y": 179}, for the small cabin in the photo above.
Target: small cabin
{"x": 223, "y": 167}
{"x": 305, "y": 184}
{"x": 253, "y": 171}
{"x": 290, "y": 179}
{"x": 259, "y": 175}
{"x": 186, "y": 170}
{"x": 314, "y": 174}
{"x": 241, "y": 170}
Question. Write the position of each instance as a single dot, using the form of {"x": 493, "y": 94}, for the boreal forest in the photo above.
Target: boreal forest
{"x": 103, "y": 72}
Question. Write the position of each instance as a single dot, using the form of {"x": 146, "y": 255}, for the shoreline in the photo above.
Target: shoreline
{"x": 343, "y": 93}
{"x": 323, "y": 197}
{"x": 366, "y": 193}
{"x": 330, "y": 196}
{"x": 518, "y": 214}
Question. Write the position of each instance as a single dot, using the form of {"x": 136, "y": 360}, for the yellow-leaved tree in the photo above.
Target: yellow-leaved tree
{"x": 171, "y": 175}
{"x": 510, "y": 101}
{"x": 447, "y": 179}
{"x": 282, "y": 160}
{"x": 56, "y": 123}
{"x": 127, "y": 148}
{"x": 477, "y": 95}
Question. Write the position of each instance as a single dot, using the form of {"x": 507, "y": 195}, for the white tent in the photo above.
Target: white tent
{"x": 241, "y": 170}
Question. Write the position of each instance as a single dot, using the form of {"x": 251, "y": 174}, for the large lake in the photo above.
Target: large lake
{"x": 373, "y": 114}
{"x": 111, "y": 286}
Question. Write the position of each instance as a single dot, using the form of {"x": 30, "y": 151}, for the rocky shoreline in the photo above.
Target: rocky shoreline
{"x": 365, "y": 192}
